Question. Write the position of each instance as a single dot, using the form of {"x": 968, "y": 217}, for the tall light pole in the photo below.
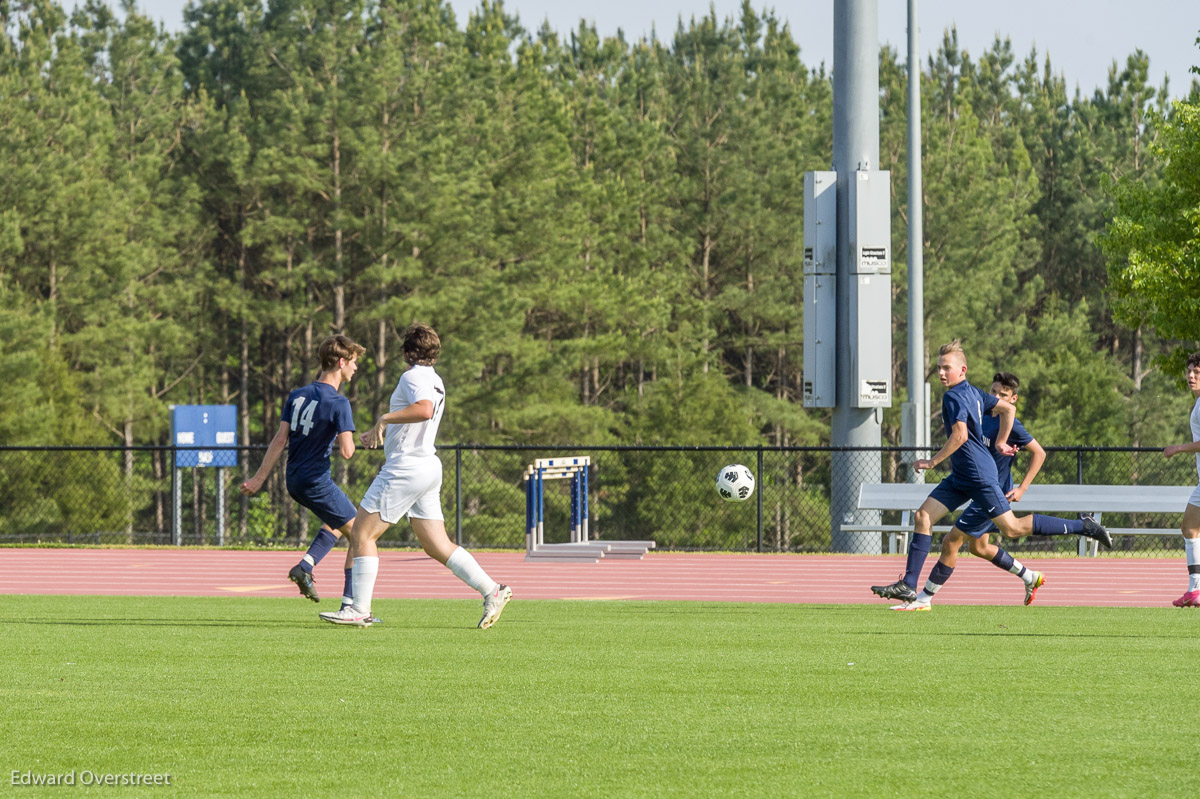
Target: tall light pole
{"x": 855, "y": 153}
{"x": 914, "y": 428}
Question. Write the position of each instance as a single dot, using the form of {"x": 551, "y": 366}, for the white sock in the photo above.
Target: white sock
{"x": 1191, "y": 547}
{"x": 1019, "y": 569}
{"x": 467, "y": 569}
{"x": 925, "y": 597}
{"x": 1026, "y": 575}
{"x": 366, "y": 569}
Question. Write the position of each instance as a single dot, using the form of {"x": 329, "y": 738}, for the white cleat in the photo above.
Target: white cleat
{"x": 493, "y": 606}
{"x": 374, "y": 619}
{"x": 348, "y": 616}
{"x": 914, "y": 605}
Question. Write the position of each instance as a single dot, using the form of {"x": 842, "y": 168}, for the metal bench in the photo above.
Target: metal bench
{"x": 1065, "y": 498}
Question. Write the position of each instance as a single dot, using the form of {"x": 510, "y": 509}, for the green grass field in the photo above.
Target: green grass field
{"x": 251, "y": 697}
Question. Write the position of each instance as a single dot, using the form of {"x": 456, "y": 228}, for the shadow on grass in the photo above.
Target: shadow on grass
{"x": 255, "y": 623}
{"x": 157, "y": 622}
{"x": 1003, "y": 634}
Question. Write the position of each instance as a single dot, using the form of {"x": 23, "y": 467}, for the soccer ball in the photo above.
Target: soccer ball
{"x": 735, "y": 483}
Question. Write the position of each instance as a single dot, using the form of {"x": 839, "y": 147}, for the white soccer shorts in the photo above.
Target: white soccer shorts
{"x": 411, "y": 488}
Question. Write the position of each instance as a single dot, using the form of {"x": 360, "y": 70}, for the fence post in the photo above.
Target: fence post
{"x": 458, "y": 494}
{"x": 1083, "y": 542}
{"x": 220, "y": 506}
{"x": 759, "y": 478}
{"x": 176, "y": 496}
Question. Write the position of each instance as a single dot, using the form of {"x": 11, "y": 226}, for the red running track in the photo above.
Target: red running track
{"x": 1114, "y": 582}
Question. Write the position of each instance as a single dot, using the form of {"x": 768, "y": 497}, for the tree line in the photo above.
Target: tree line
{"x": 607, "y": 233}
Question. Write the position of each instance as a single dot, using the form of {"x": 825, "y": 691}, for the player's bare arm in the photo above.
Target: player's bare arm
{"x": 345, "y": 441}
{"x": 274, "y": 450}
{"x": 419, "y": 411}
{"x": 1035, "y": 465}
{"x": 1008, "y": 415}
{"x": 958, "y": 437}
{"x": 1177, "y": 449}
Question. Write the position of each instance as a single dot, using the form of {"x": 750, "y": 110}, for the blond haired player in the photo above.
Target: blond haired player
{"x": 973, "y": 476}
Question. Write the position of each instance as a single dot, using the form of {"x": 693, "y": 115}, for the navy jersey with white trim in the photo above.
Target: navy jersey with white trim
{"x": 973, "y": 461}
{"x": 315, "y": 414}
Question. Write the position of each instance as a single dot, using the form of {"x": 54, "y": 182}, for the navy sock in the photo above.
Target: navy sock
{"x": 1003, "y": 559}
{"x": 940, "y": 573}
{"x": 918, "y": 550}
{"x": 348, "y": 591}
{"x": 318, "y": 549}
{"x": 1052, "y": 525}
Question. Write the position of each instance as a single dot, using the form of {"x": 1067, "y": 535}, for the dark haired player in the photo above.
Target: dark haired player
{"x": 409, "y": 484}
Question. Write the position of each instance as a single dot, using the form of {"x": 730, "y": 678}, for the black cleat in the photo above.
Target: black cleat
{"x": 897, "y": 590}
{"x": 1093, "y": 529}
{"x": 304, "y": 582}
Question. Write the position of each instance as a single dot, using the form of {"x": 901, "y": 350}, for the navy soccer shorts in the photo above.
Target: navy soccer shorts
{"x": 974, "y": 522}
{"x": 325, "y": 499}
{"x": 986, "y": 498}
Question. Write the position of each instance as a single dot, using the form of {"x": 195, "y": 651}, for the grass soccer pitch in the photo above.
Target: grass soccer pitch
{"x": 254, "y": 697}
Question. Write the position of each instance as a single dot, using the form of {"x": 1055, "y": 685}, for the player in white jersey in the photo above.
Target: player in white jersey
{"x": 410, "y": 484}
{"x": 1191, "y": 514}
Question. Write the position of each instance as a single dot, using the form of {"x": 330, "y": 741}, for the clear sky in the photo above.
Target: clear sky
{"x": 1082, "y": 38}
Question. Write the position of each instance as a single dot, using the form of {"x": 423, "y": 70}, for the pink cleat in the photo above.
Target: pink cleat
{"x": 348, "y": 615}
{"x": 493, "y": 605}
{"x": 1189, "y": 600}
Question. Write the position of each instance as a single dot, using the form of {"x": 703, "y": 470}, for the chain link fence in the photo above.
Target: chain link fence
{"x": 119, "y": 495}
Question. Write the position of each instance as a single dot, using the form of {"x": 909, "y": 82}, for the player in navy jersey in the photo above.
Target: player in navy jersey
{"x": 314, "y": 418}
{"x": 973, "y": 474}
{"x": 1191, "y": 511}
{"x": 975, "y": 524}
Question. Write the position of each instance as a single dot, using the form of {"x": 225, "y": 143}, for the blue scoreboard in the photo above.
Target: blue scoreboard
{"x": 204, "y": 426}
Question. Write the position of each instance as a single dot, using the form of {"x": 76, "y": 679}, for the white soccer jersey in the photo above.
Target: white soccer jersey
{"x": 1196, "y": 432}
{"x": 415, "y": 440}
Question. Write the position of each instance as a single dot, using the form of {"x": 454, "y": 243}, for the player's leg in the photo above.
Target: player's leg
{"x": 1191, "y": 547}
{"x": 1013, "y": 526}
{"x": 990, "y": 496}
{"x": 335, "y": 510}
{"x": 940, "y": 573}
{"x": 368, "y": 526}
{"x": 383, "y": 505}
{"x": 932, "y": 509}
{"x": 951, "y": 544}
{"x": 999, "y": 557}
{"x": 431, "y": 532}
{"x": 348, "y": 566}
{"x": 982, "y": 547}
{"x": 301, "y": 573}
{"x": 325, "y": 540}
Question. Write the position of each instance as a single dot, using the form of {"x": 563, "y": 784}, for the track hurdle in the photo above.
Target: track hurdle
{"x": 580, "y": 549}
